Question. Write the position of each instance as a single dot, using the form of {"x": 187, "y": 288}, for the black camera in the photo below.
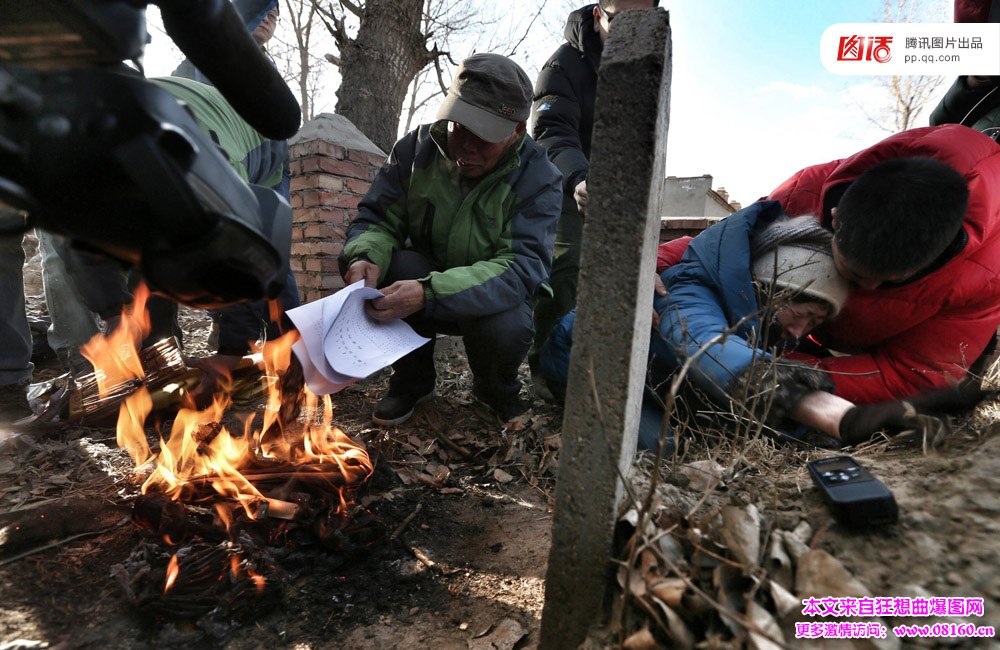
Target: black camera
{"x": 91, "y": 150}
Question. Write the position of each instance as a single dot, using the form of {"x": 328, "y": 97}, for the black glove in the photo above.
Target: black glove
{"x": 862, "y": 422}
{"x": 780, "y": 385}
{"x": 951, "y": 400}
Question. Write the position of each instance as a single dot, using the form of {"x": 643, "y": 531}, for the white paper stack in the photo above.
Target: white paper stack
{"x": 341, "y": 344}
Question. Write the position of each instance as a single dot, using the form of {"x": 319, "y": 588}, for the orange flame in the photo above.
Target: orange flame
{"x": 199, "y": 450}
{"x": 173, "y": 570}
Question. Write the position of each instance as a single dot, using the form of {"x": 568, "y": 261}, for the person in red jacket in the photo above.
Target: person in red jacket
{"x": 916, "y": 222}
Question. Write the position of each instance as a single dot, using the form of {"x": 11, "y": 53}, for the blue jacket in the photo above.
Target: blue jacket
{"x": 711, "y": 291}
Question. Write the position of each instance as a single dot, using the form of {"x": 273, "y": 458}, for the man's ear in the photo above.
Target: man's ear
{"x": 520, "y": 129}
{"x": 833, "y": 219}
{"x": 597, "y": 18}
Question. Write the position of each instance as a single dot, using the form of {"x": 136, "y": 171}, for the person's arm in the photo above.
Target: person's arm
{"x": 521, "y": 261}
{"x": 380, "y": 226}
{"x": 670, "y": 252}
{"x": 931, "y": 354}
{"x": 963, "y": 97}
{"x": 556, "y": 118}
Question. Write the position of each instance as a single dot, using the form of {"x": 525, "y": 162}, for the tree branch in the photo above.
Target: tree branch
{"x": 353, "y": 8}
{"x": 527, "y": 30}
{"x": 332, "y": 58}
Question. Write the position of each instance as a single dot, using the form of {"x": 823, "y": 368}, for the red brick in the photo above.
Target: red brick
{"x": 313, "y": 295}
{"x": 328, "y": 182}
{"x": 296, "y": 264}
{"x": 297, "y": 201}
{"x": 357, "y": 185}
{"x": 366, "y": 157}
{"x": 331, "y": 281}
{"x": 342, "y": 200}
{"x": 329, "y": 265}
{"x": 319, "y": 231}
{"x": 310, "y": 281}
{"x": 314, "y": 248}
{"x": 341, "y": 168}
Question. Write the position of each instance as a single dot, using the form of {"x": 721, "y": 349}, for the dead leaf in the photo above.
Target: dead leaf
{"x": 451, "y": 490}
{"x": 783, "y": 599}
{"x": 679, "y": 632}
{"x": 7, "y": 466}
{"x": 502, "y": 476}
{"x": 702, "y": 474}
{"x": 554, "y": 441}
{"x": 505, "y": 634}
{"x": 669, "y": 591}
{"x": 778, "y": 564}
{"x": 641, "y": 640}
{"x": 763, "y": 620}
{"x": 741, "y": 531}
{"x": 58, "y": 479}
{"x": 820, "y": 574}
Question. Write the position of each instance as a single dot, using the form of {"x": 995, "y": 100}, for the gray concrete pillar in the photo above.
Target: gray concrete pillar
{"x": 611, "y": 335}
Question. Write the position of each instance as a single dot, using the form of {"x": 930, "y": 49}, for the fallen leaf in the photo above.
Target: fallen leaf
{"x": 703, "y": 474}
{"x": 451, "y": 490}
{"x": 670, "y": 591}
{"x": 777, "y": 563}
{"x": 820, "y": 574}
{"x": 7, "y": 466}
{"x": 763, "y": 620}
{"x": 505, "y": 634}
{"x": 641, "y": 640}
{"x": 783, "y": 599}
{"x": 502, "y": 476}
{"x": 741, "y": 531}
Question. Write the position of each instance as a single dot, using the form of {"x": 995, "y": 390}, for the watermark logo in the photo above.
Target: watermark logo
{"x": 865, "y": 48}
{"x": 911, "y": 49}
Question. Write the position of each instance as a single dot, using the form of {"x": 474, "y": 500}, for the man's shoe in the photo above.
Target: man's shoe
{"x": 13, "y": 403}
{"x": 540, "y": 387}
{"x": 396, "y": 408}
{"x": 504, "y": 408}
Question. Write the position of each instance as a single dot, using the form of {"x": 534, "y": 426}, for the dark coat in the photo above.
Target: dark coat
{"x": 563, "y": 109}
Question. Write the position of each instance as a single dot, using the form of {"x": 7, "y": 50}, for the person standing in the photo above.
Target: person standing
{"x": 563, "y": 119}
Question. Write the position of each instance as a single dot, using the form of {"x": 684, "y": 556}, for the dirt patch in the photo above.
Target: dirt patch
{"x": 471, "y": 499}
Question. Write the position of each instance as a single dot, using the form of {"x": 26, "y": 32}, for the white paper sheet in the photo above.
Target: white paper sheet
{"x": 340, "y": 344}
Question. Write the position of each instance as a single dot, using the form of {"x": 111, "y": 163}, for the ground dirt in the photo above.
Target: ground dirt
{"x": 468, "y": 503}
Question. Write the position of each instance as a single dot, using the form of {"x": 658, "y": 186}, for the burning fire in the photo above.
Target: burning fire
{"x": 173, "y": 569}
{"x": 200, "y": 452}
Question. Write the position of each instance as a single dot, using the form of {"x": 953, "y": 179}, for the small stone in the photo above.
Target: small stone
{"x": 463, "y": 626}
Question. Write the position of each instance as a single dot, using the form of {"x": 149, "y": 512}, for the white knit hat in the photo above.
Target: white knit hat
{"x": 795, "y": 254}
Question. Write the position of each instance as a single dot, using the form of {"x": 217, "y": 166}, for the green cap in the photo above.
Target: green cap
{"x": 489, "y": 95}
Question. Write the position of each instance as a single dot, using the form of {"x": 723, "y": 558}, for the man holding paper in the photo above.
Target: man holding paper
{"x": 457, "y": 230}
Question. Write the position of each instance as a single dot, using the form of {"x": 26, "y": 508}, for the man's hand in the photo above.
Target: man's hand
{"x": 400, "y": 299}
{"x": 661, "y": 290}
{"x": 363, "y": 269}
{"x": 580, "y": 194}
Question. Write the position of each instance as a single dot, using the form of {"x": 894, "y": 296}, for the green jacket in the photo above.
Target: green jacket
{"x": 490, "y": 243}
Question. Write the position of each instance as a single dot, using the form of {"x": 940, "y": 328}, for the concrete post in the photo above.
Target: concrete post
{"x": 611, "y": 336}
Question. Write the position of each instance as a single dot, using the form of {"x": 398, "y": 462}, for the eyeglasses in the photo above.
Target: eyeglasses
{"x": 607, "y": 16}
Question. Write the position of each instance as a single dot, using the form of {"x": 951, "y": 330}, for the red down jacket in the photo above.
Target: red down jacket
{"x": 925, "y": 333}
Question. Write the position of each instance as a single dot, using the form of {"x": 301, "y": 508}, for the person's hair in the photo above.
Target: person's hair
{"x": 900, "y": 215}
{"x": 607, "y": 3}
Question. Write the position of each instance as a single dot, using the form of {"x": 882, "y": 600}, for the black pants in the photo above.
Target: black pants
{"x": 495, "y": 344}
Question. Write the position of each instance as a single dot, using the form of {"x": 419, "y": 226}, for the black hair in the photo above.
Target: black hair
{"x": 607, "y": 3}
{"x": 900, "y": 215}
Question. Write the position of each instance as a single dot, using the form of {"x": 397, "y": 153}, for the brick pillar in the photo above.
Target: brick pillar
{"x": 332, "y": 165}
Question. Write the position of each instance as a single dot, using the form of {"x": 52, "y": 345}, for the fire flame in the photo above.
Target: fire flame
{"x": 199, "y": 451}
{"x": 173, "y": 569}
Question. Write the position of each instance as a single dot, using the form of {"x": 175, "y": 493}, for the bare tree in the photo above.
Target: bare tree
{"x": 395, "y": 51}
{"x": 906, "y": 95}
{"x": 379, "y": 62}
{"x": 304, "y": 68}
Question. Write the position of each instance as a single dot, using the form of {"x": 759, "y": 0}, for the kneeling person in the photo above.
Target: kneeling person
{"x": 457, "y": 230}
